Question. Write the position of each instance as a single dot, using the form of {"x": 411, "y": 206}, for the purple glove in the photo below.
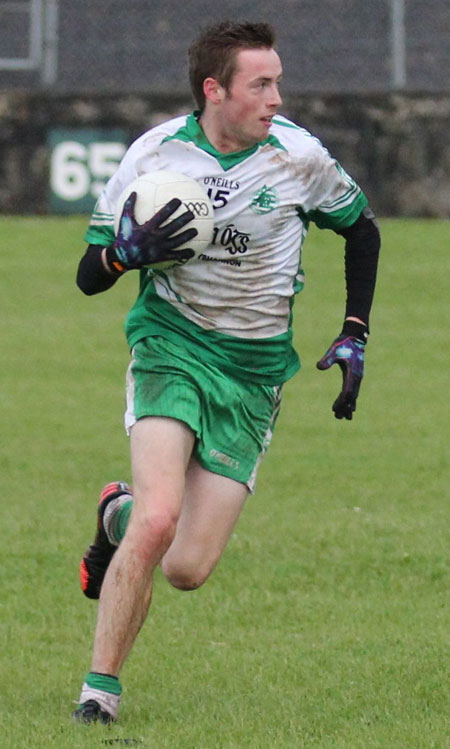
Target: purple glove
{"x": 347, "y": 351}
{"x": 139, "y": 245}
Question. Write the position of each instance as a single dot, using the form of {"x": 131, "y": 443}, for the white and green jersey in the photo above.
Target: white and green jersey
{"x": 232, "y": 304}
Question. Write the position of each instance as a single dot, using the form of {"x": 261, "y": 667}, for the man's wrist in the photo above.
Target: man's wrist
{"x": 110, "y": 261}
{"x": 355, "y": 328}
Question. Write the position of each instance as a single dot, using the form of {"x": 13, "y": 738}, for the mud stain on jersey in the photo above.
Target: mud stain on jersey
{"x": 303, "y": 167}
{"x": 279, "y": 218}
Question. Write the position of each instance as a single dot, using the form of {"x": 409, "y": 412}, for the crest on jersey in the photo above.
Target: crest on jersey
{"x": 265, "y": 200}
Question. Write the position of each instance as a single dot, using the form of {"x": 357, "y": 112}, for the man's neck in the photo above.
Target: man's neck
{"x": 220, "y": 140}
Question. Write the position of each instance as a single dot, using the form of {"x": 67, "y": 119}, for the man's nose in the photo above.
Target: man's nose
{"x": 275, "y": 99}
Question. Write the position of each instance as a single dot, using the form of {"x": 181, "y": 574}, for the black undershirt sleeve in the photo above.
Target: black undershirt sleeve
{"x": 362, "y": 248}
{"x": 92, "y": 276}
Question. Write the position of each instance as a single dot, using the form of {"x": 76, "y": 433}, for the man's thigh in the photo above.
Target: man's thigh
{"x": 160, "y": 453}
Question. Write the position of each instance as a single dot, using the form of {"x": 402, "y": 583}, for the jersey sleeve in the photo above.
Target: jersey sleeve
{"x": 101, "y": 226}
{"x": 335, "y": 200}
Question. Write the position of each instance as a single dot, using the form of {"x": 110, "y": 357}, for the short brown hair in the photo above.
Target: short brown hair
{"x": 213, "y": 52}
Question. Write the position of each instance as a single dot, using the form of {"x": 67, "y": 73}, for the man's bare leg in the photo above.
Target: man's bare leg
{"x": 191, "y": 542}
{"x": 211, "y": 507}
{"x": 160, "y": 452}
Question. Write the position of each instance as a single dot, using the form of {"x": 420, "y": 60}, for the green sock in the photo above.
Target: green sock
{"x": 103, "y": 682}
{"x": 119, "y": 521}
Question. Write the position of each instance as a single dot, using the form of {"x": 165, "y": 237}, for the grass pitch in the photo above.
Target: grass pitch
{"x": 326, "y": 623}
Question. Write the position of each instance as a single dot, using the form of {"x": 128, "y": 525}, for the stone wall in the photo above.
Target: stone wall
{"x": 396, "y": 146}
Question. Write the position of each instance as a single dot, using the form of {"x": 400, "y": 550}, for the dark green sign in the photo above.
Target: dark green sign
{"x": 82, "y": 161}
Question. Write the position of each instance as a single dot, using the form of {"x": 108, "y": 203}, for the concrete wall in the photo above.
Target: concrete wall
{"x": 397, "y": 146}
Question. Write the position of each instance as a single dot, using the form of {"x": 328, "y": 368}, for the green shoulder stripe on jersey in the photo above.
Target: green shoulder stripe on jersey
{"x": 284, "y": 123}
{"x": 102, "y": 214}
{"x": 341, "y": 218}
{"x": 100, "y": 234}
{"x": 293, "y": 126}
{"x": 193, "y": 133}
{"x": 345, "y": 199}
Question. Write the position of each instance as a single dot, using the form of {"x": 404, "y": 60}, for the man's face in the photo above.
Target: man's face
{"x": 252, "y": 98}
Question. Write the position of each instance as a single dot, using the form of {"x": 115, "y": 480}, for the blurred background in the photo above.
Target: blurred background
{"x": 79, "y": 80}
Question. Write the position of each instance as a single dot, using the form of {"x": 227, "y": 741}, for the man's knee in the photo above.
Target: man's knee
{"x": 185, "y": 576}
{"x": 153, "y": 531}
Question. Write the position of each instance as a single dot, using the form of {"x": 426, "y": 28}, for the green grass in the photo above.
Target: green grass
{"x": 327, "y": 622}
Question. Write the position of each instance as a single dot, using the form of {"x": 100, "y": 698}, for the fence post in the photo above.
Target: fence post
{"x": 49, "y": 68}
{"x": 398, "y": 44}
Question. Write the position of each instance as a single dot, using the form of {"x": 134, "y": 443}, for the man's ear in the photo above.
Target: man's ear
{"x": 213, "y": 90}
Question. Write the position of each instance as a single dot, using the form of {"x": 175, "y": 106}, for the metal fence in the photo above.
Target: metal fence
{"x": 71, "y": 46}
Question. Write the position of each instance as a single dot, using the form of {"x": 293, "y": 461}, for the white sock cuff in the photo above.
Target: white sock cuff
{"x": 106, "y": 700}
{"x": 109, "y": 513}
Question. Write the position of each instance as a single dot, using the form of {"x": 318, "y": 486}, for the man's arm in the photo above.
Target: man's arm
{"x": 362, "y": 247}
{"x": 94, "y": 275}
{"x": 136, "y": 246}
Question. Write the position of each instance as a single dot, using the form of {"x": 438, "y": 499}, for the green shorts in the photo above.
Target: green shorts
{"x": 233, "y": 420}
